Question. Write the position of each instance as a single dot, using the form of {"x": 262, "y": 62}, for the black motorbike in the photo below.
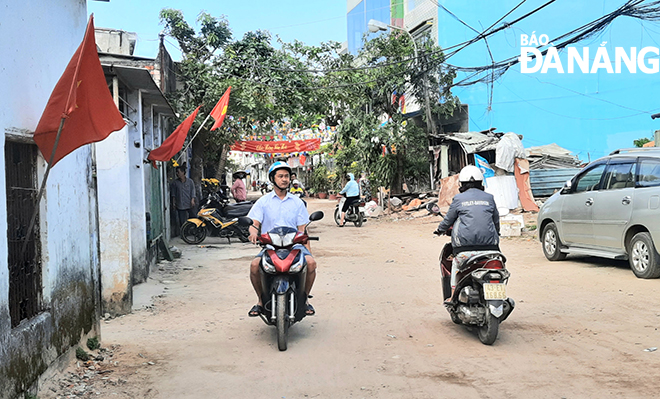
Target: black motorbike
{"x": 479, "y": 300}
{"x": 283, "y": 273}
{"x": 217, "y": 218}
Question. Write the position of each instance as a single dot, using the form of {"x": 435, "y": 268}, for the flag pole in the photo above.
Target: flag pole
{"x": 43, "y": 186}
{"x": 193, "y": 138}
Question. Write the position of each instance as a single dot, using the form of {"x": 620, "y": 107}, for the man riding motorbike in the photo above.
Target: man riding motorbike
{"x": 352, "y": 192}
{"x": 279, "y": 208}
{"x": 475, "y": 220}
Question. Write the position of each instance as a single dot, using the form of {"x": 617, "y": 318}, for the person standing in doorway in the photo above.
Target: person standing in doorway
{"x": 238, "y": 188}
{"x": 183, "y": 194}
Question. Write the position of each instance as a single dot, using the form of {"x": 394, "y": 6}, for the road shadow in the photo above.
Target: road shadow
{"x": 599, "y": 262}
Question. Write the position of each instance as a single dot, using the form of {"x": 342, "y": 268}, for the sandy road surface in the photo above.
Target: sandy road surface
{"x": 579, "y": 329}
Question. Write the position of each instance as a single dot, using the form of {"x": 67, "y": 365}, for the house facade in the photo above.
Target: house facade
{"x": 49, "y": 279}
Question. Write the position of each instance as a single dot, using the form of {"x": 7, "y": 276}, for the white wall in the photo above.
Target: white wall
{"x": 38, "y": 39}
{"x": 114, "y": 221}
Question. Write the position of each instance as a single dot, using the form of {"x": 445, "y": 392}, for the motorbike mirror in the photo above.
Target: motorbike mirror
{"x": 245, "y": 221}
{"x": 433, "y": 208}
{"x": 318, "y": 215}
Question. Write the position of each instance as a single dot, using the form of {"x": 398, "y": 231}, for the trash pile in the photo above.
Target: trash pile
{"x": 551, "y": 156}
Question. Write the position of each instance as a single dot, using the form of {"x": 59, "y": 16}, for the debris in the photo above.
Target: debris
{"x": 391, "y": 336}
{"x": 651, "y": 349}
{"x": 176, "y": 252}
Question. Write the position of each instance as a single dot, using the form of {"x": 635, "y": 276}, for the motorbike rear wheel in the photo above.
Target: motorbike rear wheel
{"x": 192, "y": 234}
{"x": 282, "y": 322}
{"x": 488, "y": 332}
{"x": 358, "y": 215}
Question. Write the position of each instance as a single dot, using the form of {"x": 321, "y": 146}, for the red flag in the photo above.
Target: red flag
{"x": 174, "y": 143}
{"x": 82, "y": 97}
{"x": 220, "y": 110}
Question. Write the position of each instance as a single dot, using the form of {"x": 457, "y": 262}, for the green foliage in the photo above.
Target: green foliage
{"x": 81, "y": 354}
{"x": 641, "y": 142}
{"x": 93, "y": 343}
{"x": 319, "y": 181}
{"x": 30, "y": 396}
{"x": 309, "y": 84}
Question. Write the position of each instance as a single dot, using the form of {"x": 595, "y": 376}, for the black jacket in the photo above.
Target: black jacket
{"x": 476, "y": 222}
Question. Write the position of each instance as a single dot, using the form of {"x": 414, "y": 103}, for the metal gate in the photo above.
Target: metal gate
{"x": 24, "y": 265}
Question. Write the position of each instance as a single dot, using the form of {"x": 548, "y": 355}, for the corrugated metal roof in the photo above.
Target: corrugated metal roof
{"x": 474, "y": 141}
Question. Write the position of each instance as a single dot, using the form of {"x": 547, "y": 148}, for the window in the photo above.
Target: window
{"x": 649, "y": 173}
{"x": 619, "y": 175}
{"x": 24, "y": 252}
{"x": 590, "y": 179}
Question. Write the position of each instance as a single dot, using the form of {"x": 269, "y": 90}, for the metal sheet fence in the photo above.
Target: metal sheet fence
{"x": 545, "y": 182}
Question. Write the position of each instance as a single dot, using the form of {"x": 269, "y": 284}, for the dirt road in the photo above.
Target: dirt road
{"x": 579, "y": 329}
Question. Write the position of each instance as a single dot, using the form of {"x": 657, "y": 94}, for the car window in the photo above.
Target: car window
{"x": 649, "y": 173}
{"x": 619, "y": 175}
{"x": 589, "y": 180}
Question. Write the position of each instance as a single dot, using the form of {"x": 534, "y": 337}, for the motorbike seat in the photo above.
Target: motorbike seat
{"x": 237, "y": 210}
{"x": 482, "y": 256}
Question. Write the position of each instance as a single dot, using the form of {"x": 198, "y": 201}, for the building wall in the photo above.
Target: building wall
{"x": 114, "y": 195}
{"x": 359, "y": 15}
{"x": 30, "y": 67}
{"x": 140, "y": 267}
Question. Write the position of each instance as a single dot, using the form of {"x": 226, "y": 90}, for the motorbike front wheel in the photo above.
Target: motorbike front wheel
{"x": 282, "y": 322}
{"x": 337, "y": 216}
{"x": 192, "y": 234}
{"x": 488, "y": 332}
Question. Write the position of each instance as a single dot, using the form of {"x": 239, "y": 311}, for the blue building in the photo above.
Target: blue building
{"x": 590, "y": 108}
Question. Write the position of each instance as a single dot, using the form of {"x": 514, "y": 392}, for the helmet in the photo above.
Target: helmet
{"x": 470, "y": 173}
{"x": 276, "y": 166}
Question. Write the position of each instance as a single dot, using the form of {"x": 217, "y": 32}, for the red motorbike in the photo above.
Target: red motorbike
{"x": 283, "y": 272}
{"x": 479, "y": 299}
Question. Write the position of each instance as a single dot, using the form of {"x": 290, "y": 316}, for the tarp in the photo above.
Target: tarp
{"x": 274, "y": 147}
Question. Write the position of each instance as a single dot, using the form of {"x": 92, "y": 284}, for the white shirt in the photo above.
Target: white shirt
{"x": 271, "y": 212}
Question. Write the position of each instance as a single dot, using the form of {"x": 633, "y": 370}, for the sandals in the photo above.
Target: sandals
{"x": 310, "y": 310}
{"x": 256, "y": 311}
{"x": 342, "y": 224}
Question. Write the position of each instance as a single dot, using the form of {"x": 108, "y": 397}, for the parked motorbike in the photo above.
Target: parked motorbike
{"x": 479, "y": 299}
{"x": 354, "y": 213}
{"x": 217, "y": 218}
{"x": 283, "y": 273}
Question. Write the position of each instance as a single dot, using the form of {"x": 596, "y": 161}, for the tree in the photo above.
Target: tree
{"x": 641, "y": 142}
{"x": 397, "y": 149}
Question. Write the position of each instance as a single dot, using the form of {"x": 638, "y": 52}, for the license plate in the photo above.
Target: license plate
{"x": 494, "y": 291}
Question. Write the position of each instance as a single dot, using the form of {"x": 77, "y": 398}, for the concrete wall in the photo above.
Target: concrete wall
{"x": 113, "y": 169}
{"x": 30, "y": 68}
{"x": 137, "y": 188}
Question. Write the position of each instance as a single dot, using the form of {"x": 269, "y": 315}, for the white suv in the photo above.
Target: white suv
{"x": 609, "y": 209}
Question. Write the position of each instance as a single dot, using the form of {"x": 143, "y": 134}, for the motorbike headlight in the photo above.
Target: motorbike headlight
{"x": 298, "y": 263}
{"x": 267, "y": 264}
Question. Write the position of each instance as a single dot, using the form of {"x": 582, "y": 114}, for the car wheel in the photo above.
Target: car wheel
{"x": 643, "y": 257}
{"x": 552, "y": 243}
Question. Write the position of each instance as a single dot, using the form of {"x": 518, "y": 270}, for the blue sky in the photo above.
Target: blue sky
{"x": 589, "y": 114}
{"x": 310, "y": 21}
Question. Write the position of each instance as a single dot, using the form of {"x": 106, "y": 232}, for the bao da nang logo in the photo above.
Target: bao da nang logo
{"x": 533, "y": 60}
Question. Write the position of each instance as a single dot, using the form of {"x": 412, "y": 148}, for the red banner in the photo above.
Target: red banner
{"x": 273, "y": 147}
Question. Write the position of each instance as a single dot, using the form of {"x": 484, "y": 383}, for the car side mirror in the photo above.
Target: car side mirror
{"x": 318, "y": 215}
{"x": 567, "y": 187}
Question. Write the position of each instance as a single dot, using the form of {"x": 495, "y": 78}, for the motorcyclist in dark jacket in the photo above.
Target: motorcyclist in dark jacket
{"x": 474, "y": 217}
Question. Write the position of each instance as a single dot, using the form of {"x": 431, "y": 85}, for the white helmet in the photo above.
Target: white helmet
{"x": 470, "y": 173}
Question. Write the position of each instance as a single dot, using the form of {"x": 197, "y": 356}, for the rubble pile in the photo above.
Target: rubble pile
{"x": 87, "y": 379}
{"x": 551, "y": 156}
